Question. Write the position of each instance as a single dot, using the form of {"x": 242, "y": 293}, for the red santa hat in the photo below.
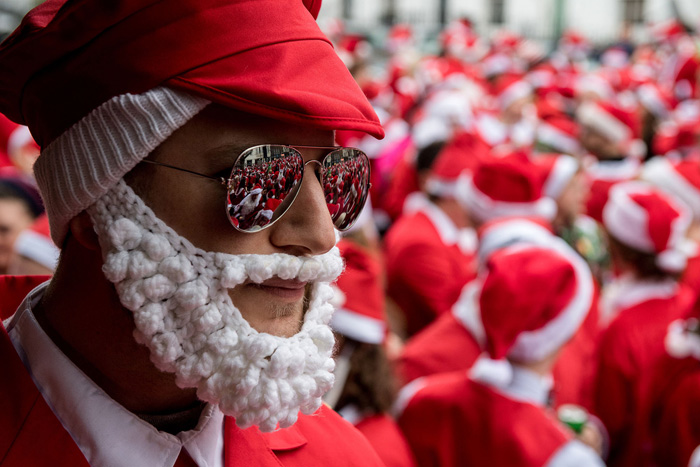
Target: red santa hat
{"x": 454, "y": 159}
{"x": 680, "y": 178}
{"x": 557, "y": 171}
{"x": 359, "y": 297}
{"x": 105, "y": 83}
{"x": 35, "y": 243}
{"x": 530, "y": 301}
{"x": 617, "y": 122}
{"x": 504, "y": 232}
{"x": 649, "y": 220}
{"x": 510, "y": 186}
{"x": 655, "y": 99}
{"x": 510, "y": 88}
{"x": 559, "y": 133}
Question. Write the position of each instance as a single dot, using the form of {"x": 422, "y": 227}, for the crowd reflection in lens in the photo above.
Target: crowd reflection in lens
{"x": 266, "y": 179}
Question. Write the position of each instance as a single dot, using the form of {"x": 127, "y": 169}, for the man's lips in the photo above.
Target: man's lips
{"x": 287, "y": 289}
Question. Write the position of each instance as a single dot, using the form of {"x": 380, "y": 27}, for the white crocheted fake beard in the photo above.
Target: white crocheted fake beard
{"x": 178, "y": 295}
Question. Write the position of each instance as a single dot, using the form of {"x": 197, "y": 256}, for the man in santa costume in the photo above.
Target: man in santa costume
{"x": 430, "y": 250}
{"x": 525, "y": 308}
{"x": 496, "y": 190}
{"x": 170, "y": 335}
{"x": 365, "y": 386}
{"x": 647, "y": 231}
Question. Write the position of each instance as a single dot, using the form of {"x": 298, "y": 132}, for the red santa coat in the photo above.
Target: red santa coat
{"x": 426, "y": 267}
{"x": 629, "y": 350}
{"x": 456, "y": 421}
{"x": 679, "y": 428}
{"x": 386, "y": 438}
{"x": 31, "y": 435}
{"x": 448, "y": 345}
{"x": 443, "y": 346}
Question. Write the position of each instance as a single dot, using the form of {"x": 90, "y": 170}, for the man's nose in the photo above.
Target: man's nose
{"x": 307, "y": 226}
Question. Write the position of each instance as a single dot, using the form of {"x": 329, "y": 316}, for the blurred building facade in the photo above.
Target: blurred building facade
{"x": 601, "y": 21}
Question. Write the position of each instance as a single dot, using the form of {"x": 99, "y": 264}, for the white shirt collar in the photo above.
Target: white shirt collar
{"x": 106, "y": 433}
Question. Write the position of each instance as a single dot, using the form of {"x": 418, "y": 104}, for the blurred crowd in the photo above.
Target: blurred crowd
{"x": 522, "y": 286}
{"x": 528, "y": 273}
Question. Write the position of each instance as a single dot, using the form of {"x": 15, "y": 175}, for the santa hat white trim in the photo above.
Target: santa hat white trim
{"x": 38, "y": 248}
{"x": 661, "y": 173}
{"x": 629, "y": 223}
{"x": 18, "y": 139}
{"x": 483, "y": 208}
{"x": 563, "y": 171}
{"x": 650, "y": 97}
{"x": 695, "y": 458}
{"x": 626, "y": 220}
{"x": 553, "y": 136}
{"x": 359, "y": 327}
{"x": 503, "y": 234}
{"x": 681, "y": 343}
{"x": 532, "y": 346}
{"x": 537, "y": 344}
{"x": 90, "y": 157}
{"x": 466, "y": 311}
{"x": 405, "y": 395}
{"x": 515, "y": 91}
{"x": 594, "y": 116}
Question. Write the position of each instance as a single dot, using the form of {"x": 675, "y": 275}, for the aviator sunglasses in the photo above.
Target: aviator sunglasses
{"x": 265, "y": 180}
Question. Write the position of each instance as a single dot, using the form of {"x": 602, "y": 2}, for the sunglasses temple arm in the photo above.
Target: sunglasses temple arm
{"x": 221, "y": 180}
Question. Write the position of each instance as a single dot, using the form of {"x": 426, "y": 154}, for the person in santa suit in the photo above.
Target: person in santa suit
{"x": 430, "y": 249}
{"x": 647, "y": 235}
{"x": 365, "y": 387}
{"x": 673, "y": 403}
{"x": 169, "y": 335}
{"x": 525, "y": 307}
{"x": 681, "y": 178}
{"x": 610, "y": 132}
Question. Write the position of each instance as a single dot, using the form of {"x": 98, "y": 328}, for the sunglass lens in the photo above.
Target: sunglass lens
{"x": 264, "y": 182}
{"x": 346, "y": 185}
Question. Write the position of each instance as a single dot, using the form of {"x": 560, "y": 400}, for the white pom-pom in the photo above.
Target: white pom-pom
{"x": 158, "y": 288}
{"x": 116, "y": 266}
{"x": 192, "y": 295}
{"x": 130, "y": 295}
{"x": 140, "y": 266}
{"x": 124, "y": 234}
{"x": 672, "y": 261}
{"x": 156, "y": 247}
{"x": 149, "y": 319}
{"x": 178, "y": 269}
{"x": 233, "y": 274}
{"x": 166, "y": 347}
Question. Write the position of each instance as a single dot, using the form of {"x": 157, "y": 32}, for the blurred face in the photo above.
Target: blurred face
{"x": 571, "y": 202}
{"x": 598, "y": 145}
{"x": 14, "y": 218}
{"x": 195, "y": 207}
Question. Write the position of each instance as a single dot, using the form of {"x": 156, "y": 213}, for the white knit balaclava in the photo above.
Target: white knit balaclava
{"x": 179, "y": 297}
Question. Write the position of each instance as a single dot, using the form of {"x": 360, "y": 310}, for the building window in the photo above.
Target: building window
{"x": 634, "y": 11}
{"x": 497, "y": 11}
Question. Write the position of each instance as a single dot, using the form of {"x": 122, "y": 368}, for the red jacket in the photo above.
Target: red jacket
{"x": 386, "y": 438}
{"x": 456, "y": 421}
{"x": 630, "y": 348}
{"x": 447, "y": 345}
{"x": 31, "y": 435}
{"x": 424, "y": 275}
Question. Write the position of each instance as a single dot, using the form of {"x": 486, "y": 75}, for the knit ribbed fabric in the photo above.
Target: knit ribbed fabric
{"x": 88, "y": 159}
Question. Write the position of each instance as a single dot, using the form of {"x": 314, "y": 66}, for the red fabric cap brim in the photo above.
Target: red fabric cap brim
{"x": 281, "y": 84}
{"x": 266, "y": 57}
